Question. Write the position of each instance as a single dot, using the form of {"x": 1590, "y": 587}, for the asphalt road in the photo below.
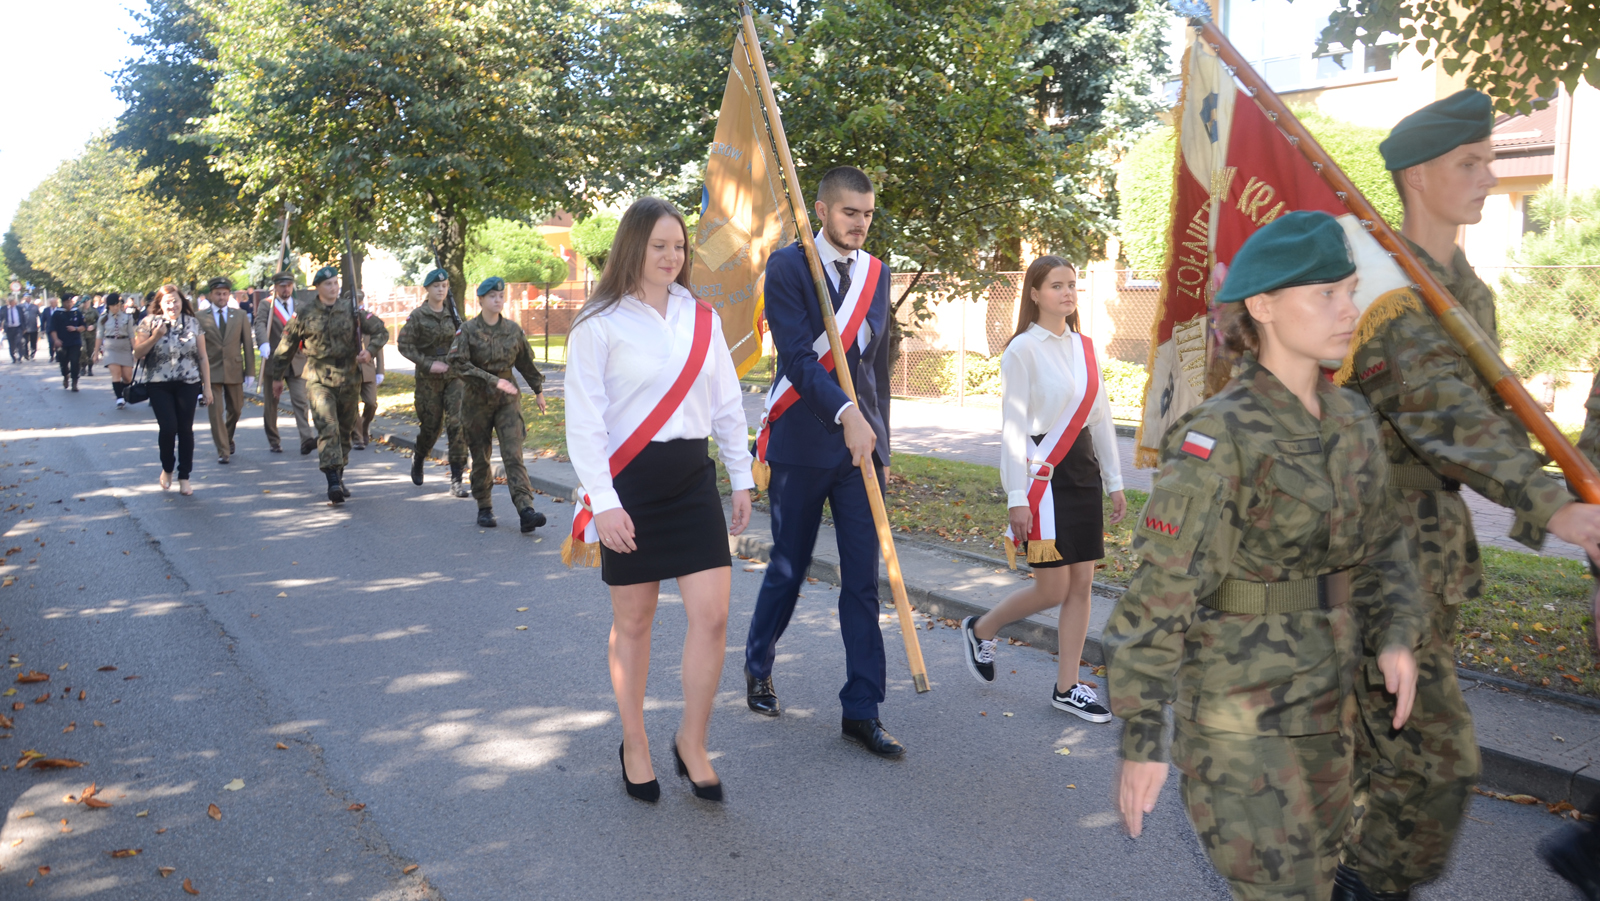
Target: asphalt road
{"x": 379, "y": 644}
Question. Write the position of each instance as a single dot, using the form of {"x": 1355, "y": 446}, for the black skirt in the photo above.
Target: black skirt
{"x": 670, "y": 493}
{"x": 1080, "y": 512}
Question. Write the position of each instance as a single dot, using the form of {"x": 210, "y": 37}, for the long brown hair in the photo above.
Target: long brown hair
{"x": 185, "y": 306}
{"x": 1027, "y": 307}
{"x": 626, "y": 259}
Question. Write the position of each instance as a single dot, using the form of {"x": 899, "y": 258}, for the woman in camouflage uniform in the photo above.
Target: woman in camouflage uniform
{"x": 425, "y": 340}
{"x": 1270, "y": 493}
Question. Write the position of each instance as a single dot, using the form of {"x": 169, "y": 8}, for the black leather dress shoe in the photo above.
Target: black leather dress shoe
{"x": 761, "y": 696}
{"x": 871, "y": 735}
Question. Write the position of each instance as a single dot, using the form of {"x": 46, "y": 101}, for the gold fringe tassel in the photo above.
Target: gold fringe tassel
{"x": 1043, "y": 551}
{"x": 761, "y": 473}
{"x": 1146, "y": 457}
{"x": 579, "y": 553}
{"x": 1011, "y": 551}
{"x": 1384, "y": 310}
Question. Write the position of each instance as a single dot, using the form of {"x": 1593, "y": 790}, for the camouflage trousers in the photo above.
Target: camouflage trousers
{"x": 484, "y": 419}
{"x": 1411, "y": 787}
{"x": 1270, "y": 810}
{"x": 438, "y": 406}
{"x": 334, "y": 414}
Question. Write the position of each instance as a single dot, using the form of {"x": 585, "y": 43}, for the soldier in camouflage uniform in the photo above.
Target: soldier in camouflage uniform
{"x": 1241, "y": 615}
{"x": 1442, "y": 428}
{"x": 91, "y": 323}
{"x": 330, "y": 334}
{"x": 483, "y": 357}
{"x": 425, "y": 340}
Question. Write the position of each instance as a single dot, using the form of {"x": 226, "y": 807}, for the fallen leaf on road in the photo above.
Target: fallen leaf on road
{"x": 131, "y": 678}
{"x": 61, "y": 667}
{"x": 213, "y": 811}
{"x": 126, "y": 852}
{"x": 161, "y": 830}
{"x": 70, "y": 727}
{"x": 282, "y": 747}
{"x": 98, "y": 723}
{"x": 55, "y": 763}
{"x": 166, "y": 871}
{"x": 522, "y": 628}
{"x": 283, "y": 594}
{"x": 408, "y": 870}
{"x": 1063, "y": 751}
{"x": 1072, "y": 786}
{"x": 82, "y": 694}
{"x": 89, "y": 792}
{"x": 33, "y": 675}
{"x": 25, "y": 814}
{"x": 234, "y": 786}
{"x": 18, "y": 705}
{"x": 16, "y": 843}
{"x": 44, "y": 871}
{"x": 1008, "y": 714}
{"x": 96, "y": 803}
{"x": 106, "y": 669}
{"x": 522, "y": 610}
{"x": 356, "y": 807}
{"x": 9, "y": 692}
{"x": 28, "y": 755}
{"x": 5, "y": 722}
{"x": 42, "y": 698}
{"x": 189, "y": 887}
{"x": 142, "y": 813}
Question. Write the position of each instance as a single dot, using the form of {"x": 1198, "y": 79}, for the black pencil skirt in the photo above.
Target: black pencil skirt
{"x": 670, "y": 492}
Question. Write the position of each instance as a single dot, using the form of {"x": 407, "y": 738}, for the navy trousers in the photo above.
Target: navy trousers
{"x": 797, "y": 494}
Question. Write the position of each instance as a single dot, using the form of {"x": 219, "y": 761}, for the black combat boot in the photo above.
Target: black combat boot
{"x": 343, "y": 488}
{"x": 416, "y": 467}
{"x": 1574, "y": 853}
{"x": 486, "y": 517}
{"x": 456, "y": 488}
{"x": 335, "y": 490}
{"x": 531, "y": 519}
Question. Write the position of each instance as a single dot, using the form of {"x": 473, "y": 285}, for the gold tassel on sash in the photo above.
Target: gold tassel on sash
{"x": 761, "y": 473}
{"x": 1384, "y": 310}
{"x": 1011, "y": 551}
{"x": 579, "y": 553}
{"x": 1043, "y": 551}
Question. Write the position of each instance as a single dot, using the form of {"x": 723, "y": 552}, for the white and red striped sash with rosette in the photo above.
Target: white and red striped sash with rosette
{"x": 1049, "y": 453}
{"x": 782, "y": 395}
{"x": 280, "y": 313}
{"x": 583, "y": 544}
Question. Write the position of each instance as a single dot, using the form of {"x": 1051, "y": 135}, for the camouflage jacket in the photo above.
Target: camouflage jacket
{"x": 328, "y": 336}
{"x": 1589, "y": 441}
{"x": 484, "y": 354}
{"x": 91, "y": 321}
{"x": 426, "y": 339}
{"x": 1436, "y": 412}
{"x": 1278, "y": 496}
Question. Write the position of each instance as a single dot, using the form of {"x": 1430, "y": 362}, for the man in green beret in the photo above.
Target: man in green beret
{"x": 1442, "y": 428}
{"x": 484, "y": 356}
{"x": 330, "y": 332}
{"x": 425, "y": 340}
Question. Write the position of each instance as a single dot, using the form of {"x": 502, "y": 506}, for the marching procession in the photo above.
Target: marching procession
{"x": 1286, "y": 643}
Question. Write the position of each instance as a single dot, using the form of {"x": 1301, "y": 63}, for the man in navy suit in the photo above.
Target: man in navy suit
{"x": 816, "y": 444}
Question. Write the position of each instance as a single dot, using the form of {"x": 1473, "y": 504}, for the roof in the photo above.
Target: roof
{"x": 1536, "y": 129}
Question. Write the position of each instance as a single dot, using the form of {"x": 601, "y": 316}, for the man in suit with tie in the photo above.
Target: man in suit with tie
{"x": 273, "y": 314}
{"x": 815, "y": 445}
{"x": 13, "y": 326}
{"x": 233, "y": 362}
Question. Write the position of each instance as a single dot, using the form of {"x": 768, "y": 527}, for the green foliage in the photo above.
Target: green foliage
{"x": 592, "y": 237}
{"x": 1093, "y": 55}
{"x": 1550, "y": 317}
{"x": 1144, "y": 186}
{"x": 1517, "y": 51}
{"x": 93, "y": 225}
{"x": 1355, "y": 149}
{"x": 514, "y": 251}
{"x": 21, "y": 268}
{"x": 1124, "y": 383}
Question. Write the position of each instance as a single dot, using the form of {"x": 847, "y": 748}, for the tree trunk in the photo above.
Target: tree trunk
{"x": 450, "y": 243}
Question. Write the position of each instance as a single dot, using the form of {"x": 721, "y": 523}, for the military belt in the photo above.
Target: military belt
{"x": 1421, "y": 478}
{"x": 1323, "y": 592}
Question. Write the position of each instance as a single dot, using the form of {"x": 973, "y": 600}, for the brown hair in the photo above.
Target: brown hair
{"x": 185, "y": 306}
{"x": 626, "y": 259}
{"x": 1027, "y": 307}
{"x": 1236, "y": 334}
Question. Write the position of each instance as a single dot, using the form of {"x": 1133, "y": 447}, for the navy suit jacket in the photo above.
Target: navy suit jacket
{"x": 806, "y": 434}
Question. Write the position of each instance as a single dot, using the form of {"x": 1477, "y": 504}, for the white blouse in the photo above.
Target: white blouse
{"x": 1036, "y": 380}
{"x": 616, "y": 373}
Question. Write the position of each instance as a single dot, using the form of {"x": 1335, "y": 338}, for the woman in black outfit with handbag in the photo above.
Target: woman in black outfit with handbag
{"x": 171, "y": 351}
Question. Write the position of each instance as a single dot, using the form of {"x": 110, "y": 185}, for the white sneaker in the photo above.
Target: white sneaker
{"x": 121, "y": 403}
{"x": 1082, "y": 701}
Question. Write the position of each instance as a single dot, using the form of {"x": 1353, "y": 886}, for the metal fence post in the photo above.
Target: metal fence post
{"x": 961, "y": 358}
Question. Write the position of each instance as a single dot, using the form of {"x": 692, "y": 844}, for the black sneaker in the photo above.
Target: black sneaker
{"x": 1081, "y": 700}
{"x": 980, "y": 653}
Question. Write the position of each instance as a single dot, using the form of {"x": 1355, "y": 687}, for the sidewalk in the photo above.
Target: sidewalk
{"x": 1533, "y": 741}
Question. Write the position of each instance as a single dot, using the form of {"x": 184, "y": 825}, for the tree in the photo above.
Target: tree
{"x": 1517, "y": 51}
{"x": 93, "y": 225}
{"x": 592, "y": 237}
{"x": 20, "y": 268}
{"x": 375, "y": 114}
{"x": 167, "y": 88}
{"x": 1103, "y": 56}
{"x": 514, "y": 251}
{"x": 1550, "y": 317}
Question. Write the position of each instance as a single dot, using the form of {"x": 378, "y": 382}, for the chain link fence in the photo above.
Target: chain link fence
{"x": 1549, "y": 324}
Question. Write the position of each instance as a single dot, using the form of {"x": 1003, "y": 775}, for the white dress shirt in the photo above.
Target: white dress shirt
{"x": 1037, "y": 384}
{"x": 616, "y": 373}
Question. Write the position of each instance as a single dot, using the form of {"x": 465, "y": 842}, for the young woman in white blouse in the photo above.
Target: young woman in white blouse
{"x": 1058, "y": 453}
{"x": 649, "y": 379}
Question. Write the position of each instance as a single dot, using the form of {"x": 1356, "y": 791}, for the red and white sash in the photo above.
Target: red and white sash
{"x": 1049, "y": 453}
{"x": 583, "y": 545}
{"x": 782, "y": 395}
{"x": 280, "y": 313}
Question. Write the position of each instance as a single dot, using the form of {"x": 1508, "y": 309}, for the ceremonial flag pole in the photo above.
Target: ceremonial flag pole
{"x": 802, "y": 219}
{"x": 1457, "y": 322}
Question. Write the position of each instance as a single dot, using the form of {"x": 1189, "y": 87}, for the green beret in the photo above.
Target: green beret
{"x": 1300, "y": 248}
{"x": 1465, "y": 117}
{"x": 323, "y": 274}
{"x": 437, "y": 275}
{"x": 492, "y": 283}
{"x": 219, "y": 282}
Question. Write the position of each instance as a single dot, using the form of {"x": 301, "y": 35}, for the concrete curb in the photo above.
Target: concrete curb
{"x": 1502, "y": 771}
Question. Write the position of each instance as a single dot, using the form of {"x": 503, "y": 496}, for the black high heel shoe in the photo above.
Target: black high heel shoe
{"x": 649, "y": 792}
{"x": 712, "y": 792}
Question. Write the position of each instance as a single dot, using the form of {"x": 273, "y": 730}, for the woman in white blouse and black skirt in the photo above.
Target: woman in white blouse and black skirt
{"x": 649, "y": 379}
{"x": 1058, "y": 453}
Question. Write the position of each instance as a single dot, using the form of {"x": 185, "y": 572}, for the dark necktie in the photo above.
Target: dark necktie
{"x": 844, "y": 276}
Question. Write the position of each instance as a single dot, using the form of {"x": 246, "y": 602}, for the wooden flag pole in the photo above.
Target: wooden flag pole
{"x": 1457, "y": 322}
{"x": 802, "y": 220}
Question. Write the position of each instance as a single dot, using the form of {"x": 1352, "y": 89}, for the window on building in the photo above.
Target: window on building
{"x": 1280, "y": 37}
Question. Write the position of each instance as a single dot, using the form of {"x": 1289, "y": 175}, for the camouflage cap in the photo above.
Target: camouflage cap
{"x": 492, "y": 283}
{"x": 220, "y": 281}
{"x": 1304, "y": 247}
{"x": 437, "y": 275}
{"x": 323, "y": 274}
{"x": 1464, "y": 117}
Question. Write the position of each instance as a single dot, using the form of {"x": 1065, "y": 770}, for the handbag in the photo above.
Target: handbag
{"x": 137, "y": 391}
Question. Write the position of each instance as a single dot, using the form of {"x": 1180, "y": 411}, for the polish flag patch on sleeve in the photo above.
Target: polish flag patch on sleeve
{"x": 1199, "y": 445}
